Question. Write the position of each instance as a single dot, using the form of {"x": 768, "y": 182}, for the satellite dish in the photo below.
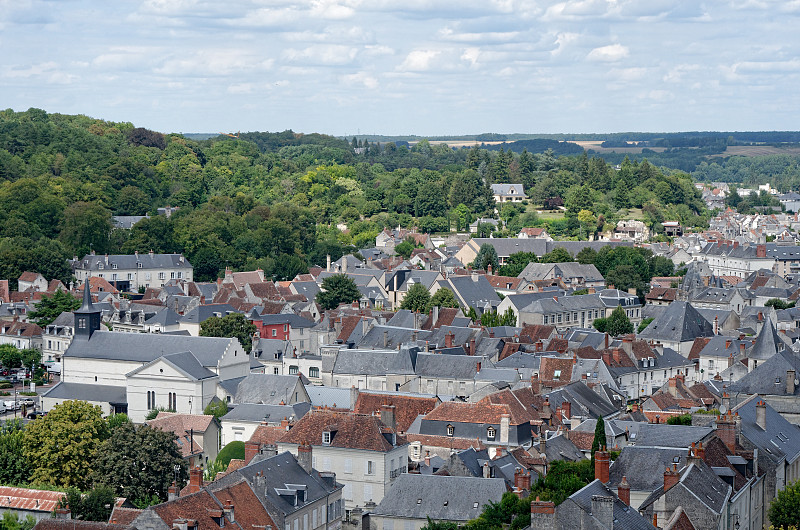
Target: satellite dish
{"x": 723, "y": 409}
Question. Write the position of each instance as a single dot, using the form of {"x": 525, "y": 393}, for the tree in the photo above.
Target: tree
{"x": 11, "y": 521}
{"x": 784, "y": 511}
{"x": 216, "y": 408}
{"x": 233, "y": 450}
{"x": 62, "y": 445}
{"x": 10, "y": 356}
{"x": 118, "y": 419}
{"x": 87, "y": 226}
{"x": 417, "y": 298}
{"x": 234, "y": 325}
{"x": 337, "y": 289}
{"x": 439, "y": 525}
{"x": 404, "y": 249}
{"x": 487, "y": 255}
{"x": 624, "y": 277}
{"x": 643, "y": 324}
{"x": 14, "y": 465}
{"x": 600, "y": 324}
{"x": 618, "y": 323}
{"x": 516, "y": 263}
{"x": 95, "y": 505}
{"x": 587, "y": 220}
{"x": 50, "y": 307}
{"x": 557, "y": 255}
{"x": 493, "y": 319}
{"x": 444, "y": 297}
{"x": 430, "y": 200}
{"x": 586, "y": 256}
{"x": 139, "y": 462}
{"x": 777, "y": 303}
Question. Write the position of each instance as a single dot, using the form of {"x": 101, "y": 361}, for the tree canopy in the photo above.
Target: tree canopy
{"x": 444, "y": 297}
{"x": 138, "y": 462}
{"x": 619, "y": 323}
{"x": 50, "y": 307}
{"x": 487, "y": 256}
{"x": 62, "y": 445}
{"x": 337, "y": 289}
{"x": 784, "y": 511}
{"x": 234, "y": 325}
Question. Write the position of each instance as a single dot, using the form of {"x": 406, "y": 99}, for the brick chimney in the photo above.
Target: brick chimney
{"x": 672, "y": 388}
{"x": 616, "y": 353}
{"x": 761, "y": 251}
{"x": 566, "y": 409}
{"x": 790, "y": 375}
{"x": 601, "y": 463}
{"x": 671, "y": 477}
{"x": 522, "y": 480}
{"x": 448, "y": 340}
{"x": 227, "y": 509}
{"x": 304, "y": 456}
{"x": 195, "y": 479}
{"x": 726, "y": 431}
{"x": 535, "y": 386}
{"x": 699, "y": 451}
{"x": 539, "y": 345}
{"x": 173, "y": 492}
{"x": 624, "y": 491}
{"x": 472, "y": 346}
{"x": 543, "y": 514}
{"x": 606, "y": 357}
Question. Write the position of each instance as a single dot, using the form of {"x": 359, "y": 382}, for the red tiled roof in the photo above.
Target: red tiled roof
{"x": 446, "y": 317}
{"x": 266, "y": 290}
{"x": 123, "y": 516}
{"x": 449, "y": 442}
{"x": 549, "y": 365}
{"x": 532, "y": 232}
{"x": 407, "y": 408}
{"x": 75, "y": 524}
{"x": 22, "y": 329}
{"x": 97, "y": 285}
{"x": 697, "y": 347}
{"x": 668, "y": 294}
{"x": 534, "y": 333}
{"x": 351, "y": 431}
{"x": 482, "y": 412}
{"x": 582, "y": 440}
{"x": 28, "y": 276}
{"x": 197, "y": 506}
{"x": 267, "y": 434}
{"x": 28, "y": 499}
{"x": 504, "y": 282}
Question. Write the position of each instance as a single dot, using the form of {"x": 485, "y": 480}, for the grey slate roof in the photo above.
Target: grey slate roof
{"x": 455, "y": 366}
{"x": 769, "y": 377}
{"x": 624, "y": 516}
{"x": 144, "y": 347}
{"x": 129, "y": 261}
{"x": 584, "y": 400}
{"x": 669, "y": 436}
{"x": 84, "y": 392}
{"x": 329, "y": 396}
{"x": 767, "y": 343}
{"x": 295, "y": 321}
{"x": 256, "y": 412}
{"x": 679, "y": 322}
{"x": 375, "y": 362}
{"x": 394, "y": 336}
{"x": 165, "y": 317}
{"x": 202, "y": 313}
{"x": 445, "y": 498}
{"x": 184, "y": 362}
{"x": 559, "y": 448}
{"x": 643, "y": 466}
{"x": 266, "y": 388}
{"x": 780, "y": 439}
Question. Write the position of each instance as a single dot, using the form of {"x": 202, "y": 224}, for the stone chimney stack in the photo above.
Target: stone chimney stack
{"x": 505, "y": 424}
{"x": 388, "y": 416}
{"x": 761, "y": 415}
{"x": 726, "y": 431}
{"x": 543, "y": 515}
{"x": 790, "y": 375}
{"x": 304, "y": 456}
{"x": 173, "y": 492}
{"x": 671, "y": 477}
{"x": 448, "y": 340}
{"x": 603, "y": 510}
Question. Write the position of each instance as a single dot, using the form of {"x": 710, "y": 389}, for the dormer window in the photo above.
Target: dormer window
{"x": 138, "y": 264}
{"x": 450, "y": 430}
{"x": 556, "y": 374}
{"x": 113, "y": 265}
{"x": 326, "y": 437}
{"x": 490, "y": 433}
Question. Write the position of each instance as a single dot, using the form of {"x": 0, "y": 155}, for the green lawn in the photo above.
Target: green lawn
{"x": 550, "y": 215}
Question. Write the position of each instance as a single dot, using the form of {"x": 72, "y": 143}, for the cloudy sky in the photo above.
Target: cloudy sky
{"x": 425, "y": 67}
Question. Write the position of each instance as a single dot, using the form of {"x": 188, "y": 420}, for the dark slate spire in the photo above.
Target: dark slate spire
{"x": 767, "y": 342}
{"x": 87, "y": 318}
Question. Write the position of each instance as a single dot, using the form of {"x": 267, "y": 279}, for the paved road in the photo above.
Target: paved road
{"x": 10, "y": 413}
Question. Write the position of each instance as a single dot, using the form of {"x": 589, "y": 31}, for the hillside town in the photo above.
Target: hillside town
{"x": 382, "y": 392}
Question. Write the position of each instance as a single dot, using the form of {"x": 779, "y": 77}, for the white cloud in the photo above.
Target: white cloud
{"x": 610, "y": 53}
{"x": 322, "y": 55}
{"x": 418, "y": 60}
{"x": 471, "y": 55}
{"x": 361, "y": 78}
{"x": 331, "y": 9}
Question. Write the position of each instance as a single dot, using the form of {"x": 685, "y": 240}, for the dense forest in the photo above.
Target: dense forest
{"x": 274, "y": 200}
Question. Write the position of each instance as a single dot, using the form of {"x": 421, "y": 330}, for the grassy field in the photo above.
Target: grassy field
{"x": 758, "y": 150}
{"x": 595, "y": 146}
{"x": 550, "y": 215}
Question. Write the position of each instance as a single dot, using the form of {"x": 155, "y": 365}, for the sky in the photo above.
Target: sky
{"x": 417, "y": 67}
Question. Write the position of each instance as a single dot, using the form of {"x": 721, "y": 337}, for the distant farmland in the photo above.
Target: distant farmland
{"x": 759, "y": 150}
{"x": 594, "y": 145}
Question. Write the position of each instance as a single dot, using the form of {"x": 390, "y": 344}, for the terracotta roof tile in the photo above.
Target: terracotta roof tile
{"x": 697, "y": 347}
{"x": 482, "y": 412}
{"x": 582, "y": 440}
{"x": 123, "y": 516}
{"x": 349, "y": 430}
{"x": 504, "y": 282}
{"x": 533, "y": 333}
{"x": 449, "y": 442}
{"x": 407, "y": 408}
{"x": 28, "y": 499}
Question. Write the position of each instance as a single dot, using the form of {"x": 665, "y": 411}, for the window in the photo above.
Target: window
{"x": 559, "y": 318}
{"x": 370, "y": 467}
{"x": 348, "y": 492}
{"x": 546, "y": 318}
{"x": 172, "y": 275}
{"x": 314, "y": 519}
{"x": 275, "y": 370}
{"x": 274, "y": 332}
{"x": 367, "y": 492}
{"x": 450, "y": 430}
{"x": 305, "y": 521}
{"x": 490, "y": 433}
{"x": 313, "y": 372}
{"x": 348, "y": 465}
{"x": 151, "y": 399}
{"x": 326, "y": 464}
{"x": 556, "y": 374}
{"x": 161, "y": 275}
{"x": 130, "y": 275}
{"x": 293, "y": 370}
{"x": 114, "y": 277}
{"x": 285, "y": 328}
{"x": 138, "y": 265}
{"x": 326, "y": 438}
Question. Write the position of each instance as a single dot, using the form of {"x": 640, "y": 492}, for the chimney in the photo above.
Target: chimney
{"x": 195, "y": 479}
{"x": 448, "y": 340}
{"x": 716, "y": 325}
{"x": 489, "y": 270}
{"x": 790, "y": 375}
{"x": 606, "y": 357}
{"x": 498, "y": 452}
{"x": 63, "y": 513}
{"x": 173, "y": 492}
{"x": 566, "y": 410}
{"x": 627, "y": 344}
{"x": 472, "y": 350}
{"x": 385, "y": 338}
{"x": 601, "y": 463}
{"x": 304, "y": 456}
{"x": 388, "y": 416}
{"x": 624, "y": 491}
{"x": 535, "y": 387}
{"x": 543, "y": 443}
{"x": 635, "y": 407}
{"x": 603, "y": 510}
{"x": 539, "y": 345}
{"x": 616, "y": 355}
{"x": 505, "y": 424}
{"x": 227, "y": 509}
{"x": 726, "y": 431}
{"x": 522, "y": 480}
{"x": 699, "y": 451}
{"x": 728, "y": 343}
{"x": 546, "y": 411}
{"x": 435, "y": 315}
{"x": 761, "y": 251}
{"x": 606, "y": 341}
{"x": 761, "y": 415}
{"x": 543, "y": 515}
{"x": 741, "y": 348}
{"x": 673, "y": 386}
{"x": 250, "y": 451}
{"x": 591, "y": 290}
{"x": 671, "y": 477}
{"x": 427, "y": 458}
{"x": 726, "y": 400}
{"x": 487, "y": 472}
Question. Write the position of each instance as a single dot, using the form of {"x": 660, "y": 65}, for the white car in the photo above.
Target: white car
{"x": 12, "y": 405}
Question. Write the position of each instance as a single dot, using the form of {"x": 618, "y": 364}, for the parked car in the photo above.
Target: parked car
{"x": 28, "y": 402}
{"x": 35, "y": 414}
{"x": 12, "y": 405}
{"x": 2, "y": 407}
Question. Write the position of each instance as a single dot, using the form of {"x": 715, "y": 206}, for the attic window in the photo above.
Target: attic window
{"x": 450, "y": 430}
{"x": 326, "y": 437}
{"x": 419, "y": 501}
{"x": 138, "y": 264}
{"x": 474, "y": 505}
{"x": 556, "y": 374}
{"x": 490, "y": 433}
{"x": 113, "y": 265}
